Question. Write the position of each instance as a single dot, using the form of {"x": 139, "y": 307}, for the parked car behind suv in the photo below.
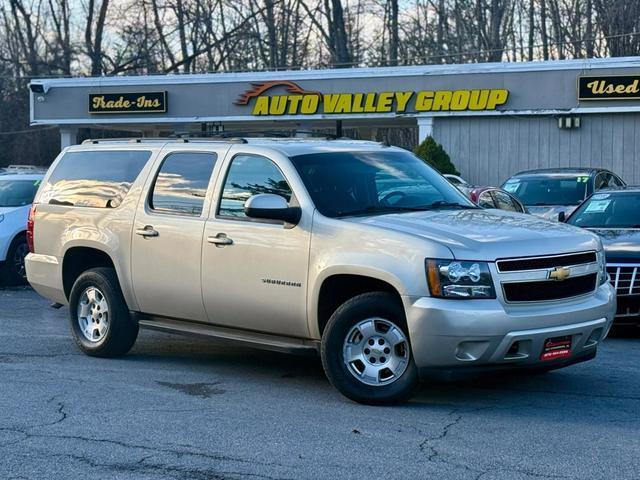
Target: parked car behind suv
{"x": 615, "y": 216}
{"x": 353, "y": 250}
{"x": 556, "y": 192}
{"x": 16, "y": 194}
{"x": 492, "y": 197}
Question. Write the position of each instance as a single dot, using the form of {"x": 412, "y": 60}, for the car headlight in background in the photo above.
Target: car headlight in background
{"x": 459, "y": 279}
{"x": 603, "y": 276}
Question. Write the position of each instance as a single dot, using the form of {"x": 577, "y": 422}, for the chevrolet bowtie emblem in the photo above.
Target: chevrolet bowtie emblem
{"x": 560, "y": 273}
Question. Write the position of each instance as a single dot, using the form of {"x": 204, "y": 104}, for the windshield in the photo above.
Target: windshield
{"x": 548, "y": 190}
{"x": 364, "y": 183}
{"x": 16, "y": 193}
{"x": 609, "y": 210}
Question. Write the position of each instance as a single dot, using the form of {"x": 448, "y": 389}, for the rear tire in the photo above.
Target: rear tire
{"x": 14, "y": 264}
{"x": 370, "y": 332}
{"x": 100, "y": 320}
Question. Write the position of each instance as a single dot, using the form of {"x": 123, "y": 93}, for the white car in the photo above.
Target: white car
{"x": 16, "y": 195}
{"x": 455, "y": 179}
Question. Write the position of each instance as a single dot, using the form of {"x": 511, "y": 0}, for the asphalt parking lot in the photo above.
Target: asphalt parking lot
{"x": 189, "y": 409}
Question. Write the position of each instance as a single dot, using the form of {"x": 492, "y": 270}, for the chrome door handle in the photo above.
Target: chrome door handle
{"x": 147, "y": 231}
{"x": 220, "y": 239}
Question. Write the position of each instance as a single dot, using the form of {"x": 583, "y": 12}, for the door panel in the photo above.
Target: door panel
{"x": 167, "y": 239}
{"x": 256, "y": 278}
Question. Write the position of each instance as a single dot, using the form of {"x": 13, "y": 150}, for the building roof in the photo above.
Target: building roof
{"x": 369, "y": 72}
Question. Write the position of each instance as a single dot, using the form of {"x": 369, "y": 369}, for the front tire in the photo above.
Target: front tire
{"x": 100, "y": 320}
{"x": 14, "y": 264}
{"x": 366, "y": 353}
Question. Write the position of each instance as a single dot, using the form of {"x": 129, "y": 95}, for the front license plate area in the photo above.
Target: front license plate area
{"x": 555, "y": 348}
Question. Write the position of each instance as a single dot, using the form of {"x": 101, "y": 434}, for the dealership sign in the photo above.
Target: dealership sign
{"x": 141, "y": 102}
{"x": 612, "y": 87}
{"x": 298, "y": 101}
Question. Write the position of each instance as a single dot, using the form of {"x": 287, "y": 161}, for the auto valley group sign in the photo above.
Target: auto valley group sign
{"x": 288, "y": 98}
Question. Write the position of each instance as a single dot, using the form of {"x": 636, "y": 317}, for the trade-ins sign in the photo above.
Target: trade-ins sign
{"x": 609, "y": 87}
{"x": 298, "y": 101}
{"x": 140, "y": 102}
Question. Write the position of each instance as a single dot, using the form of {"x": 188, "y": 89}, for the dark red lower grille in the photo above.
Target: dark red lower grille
{"x": 549, "y": 290}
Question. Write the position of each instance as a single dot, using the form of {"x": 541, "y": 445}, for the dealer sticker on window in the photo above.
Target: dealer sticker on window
{"x": 597, "y": 206}
{"x": 512, "y": 186}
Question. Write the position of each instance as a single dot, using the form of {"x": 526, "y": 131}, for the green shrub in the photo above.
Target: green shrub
{"x": 432, "y": 152}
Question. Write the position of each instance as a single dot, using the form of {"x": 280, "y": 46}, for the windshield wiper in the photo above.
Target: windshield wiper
{"x": 393, "y": 209}
{"x": 444, "y": 204}
{"x": 374, "y": 209}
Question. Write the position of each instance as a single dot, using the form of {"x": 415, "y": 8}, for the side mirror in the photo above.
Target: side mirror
{"x": 268, "y": 206}
{"x": 562, "y": 217}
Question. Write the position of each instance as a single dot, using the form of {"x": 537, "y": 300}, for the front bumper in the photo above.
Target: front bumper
{"x": 482, "y": 333}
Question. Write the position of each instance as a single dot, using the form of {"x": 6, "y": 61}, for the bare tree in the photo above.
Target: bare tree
{"x": 94, "y": 32}
{"x": 620, "y": 23}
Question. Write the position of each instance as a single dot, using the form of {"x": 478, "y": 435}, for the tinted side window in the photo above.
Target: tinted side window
{"x": 504, "y": 201}
{"x": 93, "y": 179}
{"x": 250, "y": 175}
{"x": 181, "y": 184}
{"x": 485, "y": 200}
{"x": 616, "y": 182}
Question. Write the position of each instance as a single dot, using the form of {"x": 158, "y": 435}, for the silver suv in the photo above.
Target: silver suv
{"x": 354, "y": 250}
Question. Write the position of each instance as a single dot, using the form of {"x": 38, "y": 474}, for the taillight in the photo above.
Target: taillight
{"x": 30, "y": 225}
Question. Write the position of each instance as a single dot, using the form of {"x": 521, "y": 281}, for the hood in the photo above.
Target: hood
{"x": 620, "y": 245}
{"x": 7, "y": 210}
{"x": 550, "y": 212}
{"x": 487, "y": 234}
{"x": 24, "y": 210}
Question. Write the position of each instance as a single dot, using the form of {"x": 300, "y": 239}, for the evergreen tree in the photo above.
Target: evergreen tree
{"x": 432, "y": 152}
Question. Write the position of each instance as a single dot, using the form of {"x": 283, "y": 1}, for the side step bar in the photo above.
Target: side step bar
{"x": 262, "y": 341}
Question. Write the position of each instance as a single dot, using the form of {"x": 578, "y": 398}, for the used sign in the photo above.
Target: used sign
{"x": 613, "y": 87}
{"x": 298, "y": 101}
{"x": 147, "y": 102}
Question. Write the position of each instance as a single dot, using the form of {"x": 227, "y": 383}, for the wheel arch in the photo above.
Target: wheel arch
{"x": 78, "y": 259}
{"x": 336, "y": 287}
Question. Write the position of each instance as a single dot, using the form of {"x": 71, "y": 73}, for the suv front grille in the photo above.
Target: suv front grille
{"x": 625, "y": 278}
{"x": 538, "y": 263}
{"x": 549, "y": 290}
{"x": 534, "y": 279}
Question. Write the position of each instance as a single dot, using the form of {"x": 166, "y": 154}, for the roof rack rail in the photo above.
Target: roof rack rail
{"x": 97, "y": 141}
{"x": 241, "y": 134}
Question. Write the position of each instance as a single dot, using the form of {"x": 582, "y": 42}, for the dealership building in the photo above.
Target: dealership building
{"x": 493, "y": 119}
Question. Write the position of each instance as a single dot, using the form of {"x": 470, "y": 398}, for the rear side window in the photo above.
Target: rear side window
{"x": 505, "y": 202}
{"x": 485, "y": 200}
{"x": 93, "y": 179}
{"x": 181, "y": 184}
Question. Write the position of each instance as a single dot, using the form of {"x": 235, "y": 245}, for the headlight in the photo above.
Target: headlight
{"x": 458, "y": 279}
{"x": 603, "y": 276}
